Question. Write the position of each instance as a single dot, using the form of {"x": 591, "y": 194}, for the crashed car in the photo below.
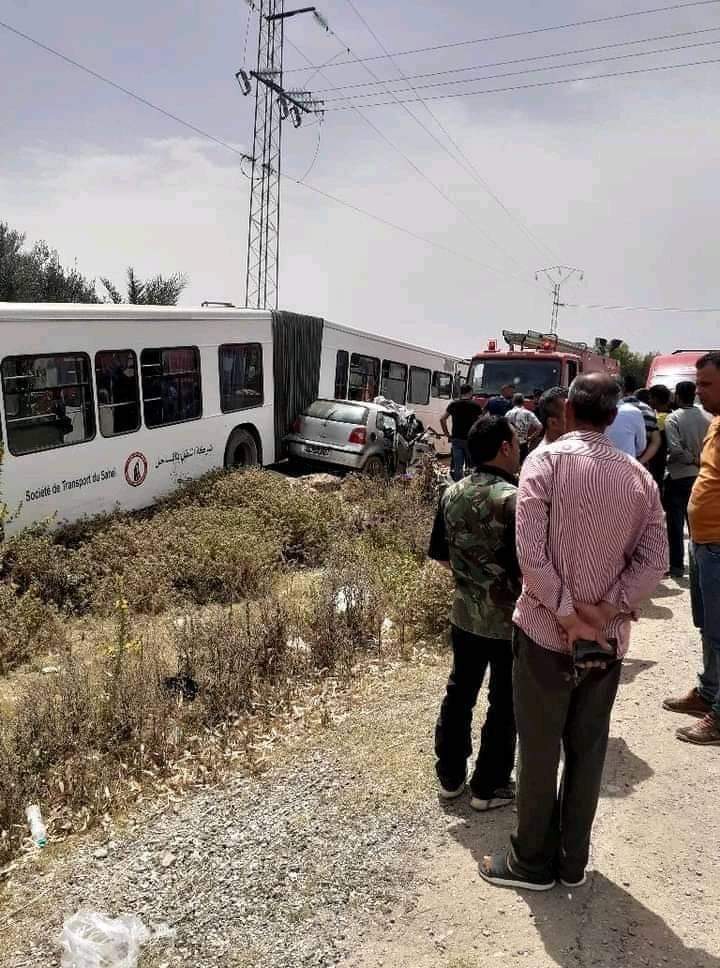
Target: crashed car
{"x": 345, "y": 434}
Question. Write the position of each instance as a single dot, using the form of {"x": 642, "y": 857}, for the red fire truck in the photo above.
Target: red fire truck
{"x": 534, "y": 362}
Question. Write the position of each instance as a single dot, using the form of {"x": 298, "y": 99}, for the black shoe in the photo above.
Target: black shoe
{"x": 497, "y": 870}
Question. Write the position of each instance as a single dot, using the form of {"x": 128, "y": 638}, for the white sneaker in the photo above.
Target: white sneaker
{"x": 500, "y": 798}
{"x": 446, "y": 794}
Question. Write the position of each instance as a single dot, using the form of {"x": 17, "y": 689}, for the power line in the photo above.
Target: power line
{"x": 224, "y": 144}
{"x": 536, "y": 84}
{"x": 381, "y": 134}
{"x": 463, "y": 159}
{"x": 527, "y": 33}
{"x": 520, "y": 60}
{"x": 639, "y": 309}
{"x": 535, "y": 70}
{"x": 124, "y": 90}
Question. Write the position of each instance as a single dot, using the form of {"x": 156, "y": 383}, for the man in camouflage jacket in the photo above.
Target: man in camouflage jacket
{"x": 474, "y": 535}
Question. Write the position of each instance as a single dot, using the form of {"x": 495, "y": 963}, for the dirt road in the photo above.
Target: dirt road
{"x": 341, "y": 855}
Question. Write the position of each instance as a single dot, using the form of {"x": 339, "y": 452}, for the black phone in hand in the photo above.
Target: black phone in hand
{"x": 587, "y": 650}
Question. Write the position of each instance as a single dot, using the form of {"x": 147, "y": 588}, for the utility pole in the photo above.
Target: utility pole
{"x": 557, "y": 276}
{"x": 273, "y": 106}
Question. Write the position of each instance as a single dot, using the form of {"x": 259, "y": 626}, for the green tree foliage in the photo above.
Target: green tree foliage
{"x": 633, "y": 364}
{"x": 158, "y": 291}
{"x": 36, "y": 275}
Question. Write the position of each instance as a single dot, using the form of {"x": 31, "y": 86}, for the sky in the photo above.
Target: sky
{"x": 616, "y": 176}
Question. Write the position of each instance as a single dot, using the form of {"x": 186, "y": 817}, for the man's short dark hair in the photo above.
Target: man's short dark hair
{"x": 550, "y": 404}
{"x": 685, "y": 393}
{"x": 465, "y": 389}
{"x": 643, "y": 395}
{"x": 712, "y": 357}
{"x": 486, "y": 437}
{"x": 661, "y": 394}
{"x": 594, "y": 398}
{"x": 630, "y": 384}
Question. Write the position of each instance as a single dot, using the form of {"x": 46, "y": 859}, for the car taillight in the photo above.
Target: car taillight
{"x": 358, "y": 436}
{"x": 296, "y": 426}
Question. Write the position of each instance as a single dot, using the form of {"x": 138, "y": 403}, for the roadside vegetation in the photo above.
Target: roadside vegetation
{"x": 152, "y": 651}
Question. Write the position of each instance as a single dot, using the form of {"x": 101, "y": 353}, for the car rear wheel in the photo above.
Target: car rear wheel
{"x": 241, "y": 450}
{"x": 374, "y": 467}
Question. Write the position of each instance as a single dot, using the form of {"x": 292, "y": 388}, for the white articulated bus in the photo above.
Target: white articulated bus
{"x": 107, "y": 407}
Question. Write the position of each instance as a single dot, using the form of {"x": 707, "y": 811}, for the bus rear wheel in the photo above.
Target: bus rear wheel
{"x": 241, "y": 450}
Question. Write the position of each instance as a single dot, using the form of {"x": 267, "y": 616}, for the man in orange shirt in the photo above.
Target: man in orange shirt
{"x": 704, "y": 516}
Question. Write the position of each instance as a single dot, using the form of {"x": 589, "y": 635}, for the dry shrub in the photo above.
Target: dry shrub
{"x": 394, "y": 515}
{"x": 28, "y": 626}
{"x": 243, "y": 659}
{"x": 34, "y": 561}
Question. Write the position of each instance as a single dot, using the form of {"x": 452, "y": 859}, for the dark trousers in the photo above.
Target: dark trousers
{"x": 553, "y": 830}
{"x": 676, "y": 497}
{"x": 453, "y": 743}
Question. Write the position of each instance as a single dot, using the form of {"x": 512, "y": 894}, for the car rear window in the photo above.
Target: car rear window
{"x": 342, "y": 412}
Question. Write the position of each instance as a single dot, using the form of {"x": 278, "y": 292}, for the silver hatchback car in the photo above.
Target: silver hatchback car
{"x": 345, "y": 433}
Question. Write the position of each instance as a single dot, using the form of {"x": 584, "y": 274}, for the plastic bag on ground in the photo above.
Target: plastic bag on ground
{"x": 91, "y": 939}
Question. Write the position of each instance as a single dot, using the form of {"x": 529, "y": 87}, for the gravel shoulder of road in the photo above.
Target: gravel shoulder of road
{"x": 341, "y": 854}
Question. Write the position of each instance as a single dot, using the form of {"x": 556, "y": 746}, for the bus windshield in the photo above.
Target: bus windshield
{"x": 488, "y": 377}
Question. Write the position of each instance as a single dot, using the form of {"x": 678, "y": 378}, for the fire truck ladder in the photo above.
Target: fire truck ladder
{"x": 533, "y": 340}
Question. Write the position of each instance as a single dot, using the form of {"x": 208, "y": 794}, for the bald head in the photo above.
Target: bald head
{"x": 593, "y": 400}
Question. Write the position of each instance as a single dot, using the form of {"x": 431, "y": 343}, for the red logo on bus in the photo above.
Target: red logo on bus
{"x": 136, "y": 468}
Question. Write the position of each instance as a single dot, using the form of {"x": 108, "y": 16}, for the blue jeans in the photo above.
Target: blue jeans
{"x": 458, "y": 458}
{"x": 705, "y": 599}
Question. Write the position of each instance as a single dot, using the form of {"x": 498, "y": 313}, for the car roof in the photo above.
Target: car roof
{"x": 377, "y": 407}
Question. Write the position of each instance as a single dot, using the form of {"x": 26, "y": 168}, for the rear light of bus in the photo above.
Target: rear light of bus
{"x": 296, "y": 426}
{"x": 358, "y": 436}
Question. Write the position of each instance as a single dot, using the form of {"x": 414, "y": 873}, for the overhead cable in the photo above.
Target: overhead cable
{"x": 462, "y": 159}
{"x": 124, "y": 90}
{"x": 530, "y": 70}
{"x": 518, "y": 60}
{"x": 535, "y": 84}
{"x": 464, "y": 256}
{"x": 527, "y": 33}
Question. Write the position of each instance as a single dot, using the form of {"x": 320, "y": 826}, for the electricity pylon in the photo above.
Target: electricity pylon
{"x": 273, "y": 106}
{"x": 557, "y": 276}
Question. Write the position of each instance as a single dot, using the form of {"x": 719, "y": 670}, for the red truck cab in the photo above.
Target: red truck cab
{"x": 533, "y": 363}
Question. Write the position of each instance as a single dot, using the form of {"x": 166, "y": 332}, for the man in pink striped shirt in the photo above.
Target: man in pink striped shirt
{"x": 592, "y": 544}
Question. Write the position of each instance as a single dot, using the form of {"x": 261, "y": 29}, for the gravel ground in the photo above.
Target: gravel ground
{"x": 283, "y": 870}
{"x": 341, "y": 854}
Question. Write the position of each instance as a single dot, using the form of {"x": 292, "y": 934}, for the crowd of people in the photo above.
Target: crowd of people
{"x": 552, "y": 558}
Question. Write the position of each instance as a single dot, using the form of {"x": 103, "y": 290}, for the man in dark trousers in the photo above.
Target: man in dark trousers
{"x": 584, "y": 574}
{"x": 463, "y": 413}
{"x": 685, "y": 431}
{"x": 474, "y": 534}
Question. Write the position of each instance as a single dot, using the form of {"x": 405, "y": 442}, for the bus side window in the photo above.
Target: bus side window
{"x": 241, "y": 376}
{"x": 572, "y": 371}
{"x": 342, "y": 365}
{"x": 419, "y": 386}
{"x": 442, "y": 385}
{"x": 394, "y": 381}
{"x": 171, "y": 385}
{"x": 364, "y": 378}
{"x": 118, "y": 392}
{"x": 48, "y": 401}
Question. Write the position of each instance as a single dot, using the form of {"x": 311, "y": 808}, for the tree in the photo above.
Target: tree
{"x": 158, "y": 291}
{"x": 633, "y": 364}
{"x": 36, "y": 275}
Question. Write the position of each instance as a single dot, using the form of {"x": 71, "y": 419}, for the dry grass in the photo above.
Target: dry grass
{"x": 267, "y": 592}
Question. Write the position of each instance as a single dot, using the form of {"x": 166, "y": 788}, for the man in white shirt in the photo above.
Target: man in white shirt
{"x": 627, "y": 431}
{"x": 527, "y": 426}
